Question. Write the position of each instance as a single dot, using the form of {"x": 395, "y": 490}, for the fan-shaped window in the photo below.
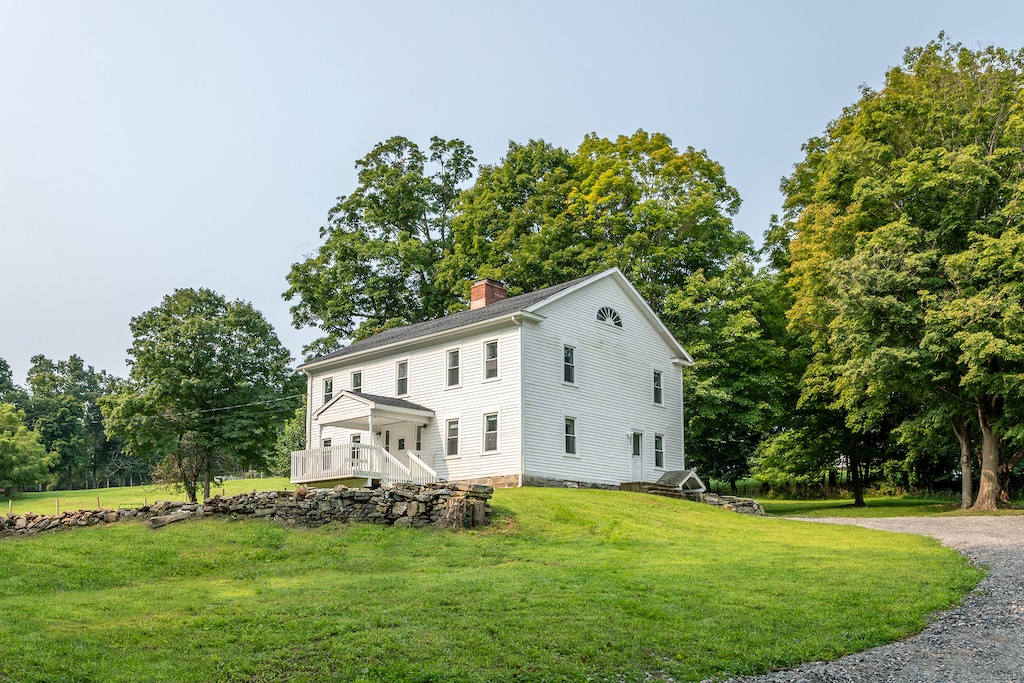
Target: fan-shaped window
{"x": 610, "y": 316}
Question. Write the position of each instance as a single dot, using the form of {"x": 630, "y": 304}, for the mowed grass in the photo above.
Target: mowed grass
{"x": 566, "y": 585}
{"x": 908, "y": 506}
{"x": 48, "y": 502}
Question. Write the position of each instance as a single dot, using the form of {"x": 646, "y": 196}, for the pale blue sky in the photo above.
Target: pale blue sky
{"x": 148, "y": 146}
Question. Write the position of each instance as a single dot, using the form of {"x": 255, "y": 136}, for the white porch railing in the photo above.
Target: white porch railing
{"x": 419, "y": 471}
{"x": 357, "y": 460}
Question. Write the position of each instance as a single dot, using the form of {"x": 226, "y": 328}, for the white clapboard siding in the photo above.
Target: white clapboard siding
{"x": 468, "y": 402}
{"x": 613, "y": 395}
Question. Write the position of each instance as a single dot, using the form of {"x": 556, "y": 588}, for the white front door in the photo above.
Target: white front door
{"x": 637, "y": 460}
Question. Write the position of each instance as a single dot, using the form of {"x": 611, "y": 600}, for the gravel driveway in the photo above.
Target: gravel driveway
{"x": 981, "y": 641}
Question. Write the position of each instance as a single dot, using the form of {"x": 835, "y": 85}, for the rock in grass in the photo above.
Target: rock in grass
{"x": 157, "y": 522}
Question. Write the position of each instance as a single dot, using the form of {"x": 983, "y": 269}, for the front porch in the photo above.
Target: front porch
{"x": 360, "y": 461}
{"x": 367, "y": 456}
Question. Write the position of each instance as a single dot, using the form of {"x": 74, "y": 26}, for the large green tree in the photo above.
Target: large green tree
{"x": 743, "y": 378}
{"x": 544, "y": 215}
{"x": 10, "y": 392}
{"x": 905, "y": 185}
{"x": 377, "y": 265}
{"x": 209, "y": 384}
{"x": 62, "y": 408}
{"x": 24, "y": 461}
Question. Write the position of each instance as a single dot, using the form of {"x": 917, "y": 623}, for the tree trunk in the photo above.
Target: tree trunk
{"x": 966, "y": 471}
{"x": 206, "y": 479}
{"x": 1004, "y": 476}
{"x": 988, "y": 489}
{"x": 856, "y": 480}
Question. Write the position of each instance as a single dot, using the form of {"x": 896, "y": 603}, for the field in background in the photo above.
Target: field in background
{"x": 47, "y": 502}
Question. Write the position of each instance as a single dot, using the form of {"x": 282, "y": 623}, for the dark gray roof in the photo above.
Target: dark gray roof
{"x": 395, "y": 335}
{"x": 390, "y": 401}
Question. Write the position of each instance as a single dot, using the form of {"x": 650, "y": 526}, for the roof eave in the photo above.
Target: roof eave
{"x": 386, "y": 348}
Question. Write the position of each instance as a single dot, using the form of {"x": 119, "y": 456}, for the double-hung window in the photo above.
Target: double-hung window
{"x": 657, "y": 387}
{"x": 419, "y": 437}
{"x": 570, "y": 436}
{"x": 569, "y": 365}
{"x": 402, "y": 378}
{"x": 328, "y": 389}
{"x": 659, "y": 450}
{"x": 451, "y": 448}
{"x": 357, "y": 382}
{"x": 453, "y": 367}
{"x": 491, "y": 432}
{"x": 491, "y": 360}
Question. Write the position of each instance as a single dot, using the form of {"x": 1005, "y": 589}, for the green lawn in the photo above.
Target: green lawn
{"x": 908, "y": 506}
{"x": 47, "y": 503}
{"x": 566, "y": 585}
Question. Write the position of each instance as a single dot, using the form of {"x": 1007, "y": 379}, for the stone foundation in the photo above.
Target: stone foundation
{"x": 547, "y": 482}
{"x": 501, "y": 481}
{"x": 443, "y": 504}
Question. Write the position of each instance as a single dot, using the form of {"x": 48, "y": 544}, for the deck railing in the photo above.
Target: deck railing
{"x": 357, "y": 460}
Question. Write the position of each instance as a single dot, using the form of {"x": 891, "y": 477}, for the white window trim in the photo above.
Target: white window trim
{"x": 575, "y": 367}
{"x": 323, "y": 389}
{"x": 575, "y": 438}
{"x": 447, "y": 368}
{"x": 459, "y": 437}
{"x": 483, "y": 432}
{"x": 662, "y": 374}
{"x": 609, "y": 321}
{"x": 656, "y": 438}
{"x": 497, "y": 360}
{"x": 398, "y": 364}
{"x": 351, "y": 383}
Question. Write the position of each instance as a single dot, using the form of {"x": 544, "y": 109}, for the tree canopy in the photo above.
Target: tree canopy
{"x": 209, "y": 384}
{"x": 382, "y": 243}
{"x": 904, "y": 219}
{"x": 24, "y": 461}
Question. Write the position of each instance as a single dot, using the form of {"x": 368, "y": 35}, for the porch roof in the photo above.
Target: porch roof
{"x": 356, "y": 410}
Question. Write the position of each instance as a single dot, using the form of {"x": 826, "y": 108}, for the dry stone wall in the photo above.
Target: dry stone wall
{"x": 444, "y": 504}
{"x": 744, "y": 506}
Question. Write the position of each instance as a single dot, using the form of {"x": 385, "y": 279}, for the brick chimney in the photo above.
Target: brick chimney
{"x": 485, "y": 292}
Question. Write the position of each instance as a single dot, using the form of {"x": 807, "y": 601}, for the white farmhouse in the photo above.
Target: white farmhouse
{"x": 576, "y": 384}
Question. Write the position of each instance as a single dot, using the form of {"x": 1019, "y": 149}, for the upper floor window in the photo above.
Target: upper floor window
{"x": 453, "y": 367}
{"x": 657, "y": 387}
{"x": 610, "y": 316}
{"x": 402, "y": 378}
{"x": 328, "y": 389}
{"x": 491, "y": 360}
{"x": 357, "y": 381}
{"x": 569, "y": 364}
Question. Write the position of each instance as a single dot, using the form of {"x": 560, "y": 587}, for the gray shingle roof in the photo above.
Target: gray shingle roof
{"x": 390, "y": 401}
{"x": 396, "y": 335}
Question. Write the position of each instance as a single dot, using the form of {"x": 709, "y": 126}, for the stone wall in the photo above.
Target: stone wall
{"x": 444, "y": 504}
{"x": 744, "y": 506}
